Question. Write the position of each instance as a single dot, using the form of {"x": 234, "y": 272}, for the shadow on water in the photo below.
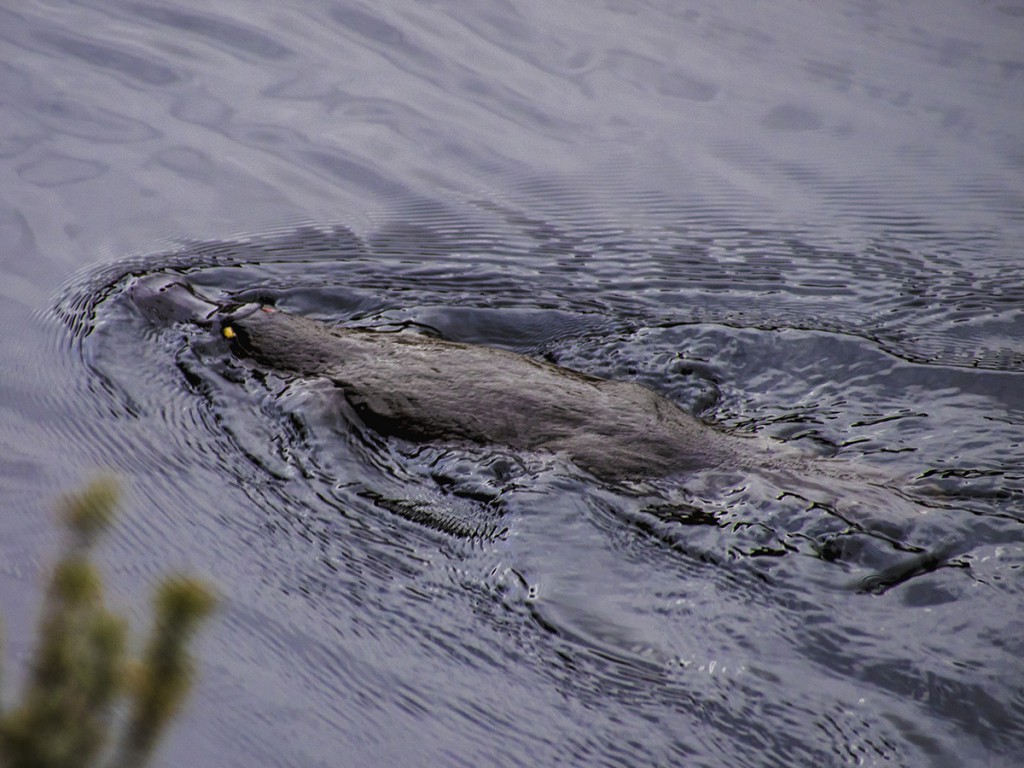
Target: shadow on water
{"x": 750, "y": 618}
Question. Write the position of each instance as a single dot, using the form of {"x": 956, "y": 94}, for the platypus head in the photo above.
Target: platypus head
{"x": 288, "y": 343}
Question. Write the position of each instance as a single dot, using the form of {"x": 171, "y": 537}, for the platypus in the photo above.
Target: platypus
{"x": 422, "y": 388}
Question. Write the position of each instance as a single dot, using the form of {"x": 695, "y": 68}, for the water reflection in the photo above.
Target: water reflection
{"x": 797, "y": 221}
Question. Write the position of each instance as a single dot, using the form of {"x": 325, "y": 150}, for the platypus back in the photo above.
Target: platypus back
{"x": 422, "y": 388}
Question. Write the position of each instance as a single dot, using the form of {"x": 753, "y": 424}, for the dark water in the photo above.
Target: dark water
{"x": 801, "y": 221}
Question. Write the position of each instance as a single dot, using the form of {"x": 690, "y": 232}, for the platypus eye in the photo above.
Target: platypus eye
{"x": 231, "y": 314}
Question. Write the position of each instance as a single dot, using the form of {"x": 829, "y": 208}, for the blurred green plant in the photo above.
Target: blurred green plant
{"x": 86, "y": 702}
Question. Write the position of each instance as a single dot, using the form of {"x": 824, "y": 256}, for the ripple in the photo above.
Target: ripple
{"x": 791, "y": 117}
{"x": 125, "y": 64}
{"x": 55, "y": 170}
{"x": 370, "y": 26}
{"x": 228, "y": 35}
{"x": 73, "y": 118}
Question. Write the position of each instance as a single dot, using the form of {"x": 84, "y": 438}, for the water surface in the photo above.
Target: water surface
{"x": 798, "y": 222}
